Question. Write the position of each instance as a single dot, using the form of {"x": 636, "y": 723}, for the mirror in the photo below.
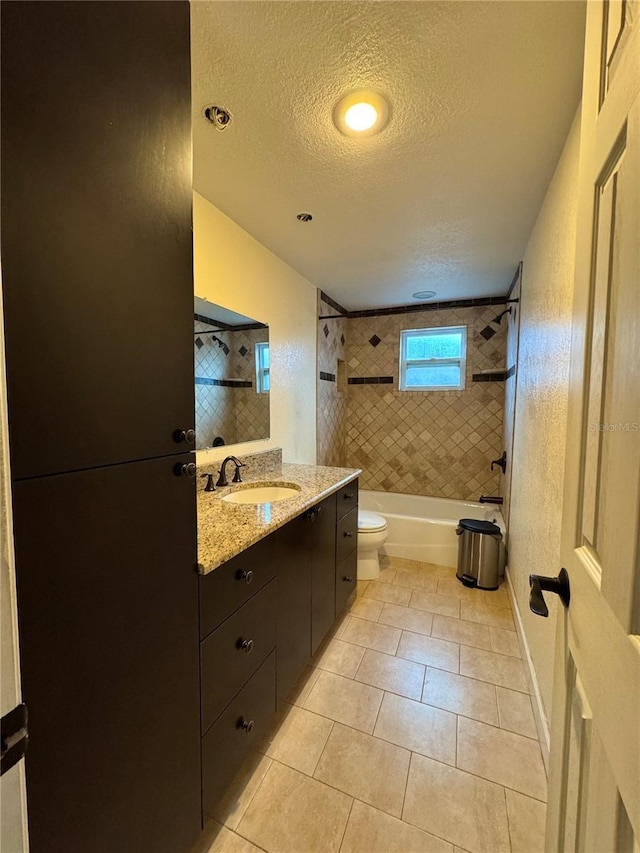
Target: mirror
{"x": 231, "y": 358}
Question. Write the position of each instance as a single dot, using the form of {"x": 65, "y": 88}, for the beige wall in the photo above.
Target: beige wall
{"x": 235, "y": 271}
{"x": 437, "y": 443}
{"x": 541, "y": 406}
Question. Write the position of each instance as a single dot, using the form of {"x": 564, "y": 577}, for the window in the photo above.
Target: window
{"x": 262, "y": 368}
{"x": 433, "y": 359}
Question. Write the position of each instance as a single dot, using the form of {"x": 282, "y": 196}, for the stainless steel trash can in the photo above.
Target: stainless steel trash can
{"x": 480, "y": 553}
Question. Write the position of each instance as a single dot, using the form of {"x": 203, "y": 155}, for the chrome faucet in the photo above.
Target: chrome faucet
{"x": 222, "y": 478}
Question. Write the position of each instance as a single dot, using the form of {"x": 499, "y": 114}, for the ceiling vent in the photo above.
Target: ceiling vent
{"x": 217, "y": 116}
{"x": 304, "y": 217}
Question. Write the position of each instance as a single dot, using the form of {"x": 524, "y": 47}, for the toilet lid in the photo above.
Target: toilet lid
{"x": 370, "y": 521}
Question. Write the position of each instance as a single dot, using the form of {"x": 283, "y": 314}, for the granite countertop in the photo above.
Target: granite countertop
{"x": 225, "y": 529}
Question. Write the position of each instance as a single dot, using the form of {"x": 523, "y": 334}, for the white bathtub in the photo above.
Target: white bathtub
{"x": 425, "y": 528}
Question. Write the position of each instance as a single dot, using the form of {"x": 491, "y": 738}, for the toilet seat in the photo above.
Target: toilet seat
{"x": 370, "y": 522}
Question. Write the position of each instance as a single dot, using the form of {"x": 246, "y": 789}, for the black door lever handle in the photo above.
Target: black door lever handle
{"x": 560, "y": 586}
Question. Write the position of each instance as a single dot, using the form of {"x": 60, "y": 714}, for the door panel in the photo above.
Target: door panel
{"x": 323, "y": 571}
{"x": 96, "y": 231}
{"x": 108, "y": 619}
{"x": 594, "y": 787}
{"x": 294, "y": 543}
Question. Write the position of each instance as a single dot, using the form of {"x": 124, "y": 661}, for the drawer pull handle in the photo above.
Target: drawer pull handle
{"x": 246, "y": 576}
{"x": 246, "y": 726}
{"x": 347, "y": 579}
{"x": 245, "y": 646}
{"x": 187, "y": 469}
{"x": 348, "y": 496}
{"x": 348, "y": 534}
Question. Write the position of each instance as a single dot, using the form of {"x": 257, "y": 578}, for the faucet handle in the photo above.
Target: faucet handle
{"x": 236, "y": 477}
{"x": 209, "y": 486}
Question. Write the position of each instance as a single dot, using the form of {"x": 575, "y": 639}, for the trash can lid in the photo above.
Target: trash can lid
{"x": 477, "y": 526}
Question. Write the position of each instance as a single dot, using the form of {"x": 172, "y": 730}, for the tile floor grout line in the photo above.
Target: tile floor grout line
{"x": 344, "y": 831}
{"x": 506, "y": 808}
{"x": 333, "y": 725}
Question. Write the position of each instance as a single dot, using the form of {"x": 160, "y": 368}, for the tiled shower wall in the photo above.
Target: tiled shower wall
{"x": 331, "y": 387}
{"x": 437, "y": 443}
{"x": 235, "y": 414}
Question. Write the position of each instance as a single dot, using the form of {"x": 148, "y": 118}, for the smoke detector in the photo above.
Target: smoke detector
{"x": 217, "y": 116}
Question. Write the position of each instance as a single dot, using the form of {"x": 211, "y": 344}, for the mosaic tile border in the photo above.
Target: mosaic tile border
{"x": 328, "y": 377}
{"x": 224, "y": 383}
{"x": 333, "y": 304}
{"x": 371, "y": 380}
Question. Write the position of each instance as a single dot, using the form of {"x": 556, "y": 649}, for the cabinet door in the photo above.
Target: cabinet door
{"x": 108, "y": 620}
{"x": 323, "y": 574}
{"x": 96, "y": 232}
{"x": 294, "y": 543}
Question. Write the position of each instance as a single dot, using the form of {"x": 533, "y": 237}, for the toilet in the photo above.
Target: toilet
{"x": 372, "y": 534}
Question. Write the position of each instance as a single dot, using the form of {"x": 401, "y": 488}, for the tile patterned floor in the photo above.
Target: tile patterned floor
{"x": 411, "y": 732}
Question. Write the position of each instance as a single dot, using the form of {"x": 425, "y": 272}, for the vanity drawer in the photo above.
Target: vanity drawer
{"x": 347, "y": 498}
{"x": 231, "y": 654}
{"x": 346, "y": 535}
{"x": 236, "y": 732}
{"x": 226, "y": 588}
{"x": 346, "y": 578}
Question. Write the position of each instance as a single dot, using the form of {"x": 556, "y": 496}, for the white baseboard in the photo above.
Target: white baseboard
{"x": 534, "y": 688}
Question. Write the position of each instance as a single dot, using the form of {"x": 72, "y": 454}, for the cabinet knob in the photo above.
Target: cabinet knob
{"x": 246, "y": 726}
{"x": 246, "y": 576}
{"x": 348, "y": 496}
{"x": 182, "y": 469}
{"x": 245, "y": 646}
{"x": 187, "y": 435}
{"x": 347, "y": 579}
{"x": 348, "y": 534}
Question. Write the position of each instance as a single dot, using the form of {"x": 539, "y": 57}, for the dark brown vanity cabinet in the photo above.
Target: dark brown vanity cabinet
{"x": 262, "y": 615}
{"x": 346, "y": 563}
{"x": 306, "y": 589}
{"x": 323, "y": 579}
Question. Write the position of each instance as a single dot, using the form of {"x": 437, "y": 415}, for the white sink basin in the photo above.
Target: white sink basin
{"x": 262, "y": 494}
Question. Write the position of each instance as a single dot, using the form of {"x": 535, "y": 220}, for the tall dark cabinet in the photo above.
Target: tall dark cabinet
{"x": 98, "y": 296}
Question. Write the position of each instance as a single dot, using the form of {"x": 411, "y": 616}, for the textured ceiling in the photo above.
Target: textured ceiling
{"x": 482, "y": 95}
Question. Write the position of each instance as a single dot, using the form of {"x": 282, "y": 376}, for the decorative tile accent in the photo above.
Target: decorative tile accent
{"x": 374, "y": 341}
{"x": 328, "y": 377}
{"x": 487, "y": 333}
{"x": 331, "y": 303}
{"x": 199, "y": 343}
{"x": 326, "y": 331}
{"x": 370, "y": 380}
{"x": 451, "y": 305}
{"x": 342, "y": 340}
{"x": 497, "y": 376}
{"x": 243, "y": 351}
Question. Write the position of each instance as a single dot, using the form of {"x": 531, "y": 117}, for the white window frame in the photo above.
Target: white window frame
{"x": 261, "y": 371}
{"x": 405, "y": 334}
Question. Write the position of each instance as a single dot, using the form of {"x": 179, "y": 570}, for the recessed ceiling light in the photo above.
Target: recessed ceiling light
{"x": 361, "y": 116}
{"x": 361, "y": 113}
{"x": 424, "y": 294}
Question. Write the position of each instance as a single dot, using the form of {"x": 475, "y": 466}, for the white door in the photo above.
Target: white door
{"x": 594, "y": 787}
{"x": 13, "y": 815}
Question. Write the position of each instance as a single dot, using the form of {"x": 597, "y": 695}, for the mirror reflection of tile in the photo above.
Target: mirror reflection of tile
{"x": 231, "y": 377}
